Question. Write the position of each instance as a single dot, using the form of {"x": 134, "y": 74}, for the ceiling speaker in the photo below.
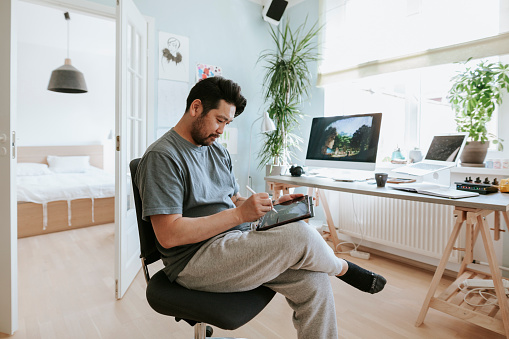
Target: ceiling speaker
{"x": 274, "y": 10}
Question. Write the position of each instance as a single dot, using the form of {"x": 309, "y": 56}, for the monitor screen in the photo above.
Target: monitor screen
{"x": 347, "y": 141}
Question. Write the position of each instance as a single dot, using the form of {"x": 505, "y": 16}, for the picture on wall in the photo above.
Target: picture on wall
{"x": 174, "y": 57}
{"x": 204, "y": 71}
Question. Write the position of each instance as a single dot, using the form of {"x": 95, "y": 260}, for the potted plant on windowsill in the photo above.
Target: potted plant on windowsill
{"x": 473, "y": 96}
{"x": 287, "y": 82}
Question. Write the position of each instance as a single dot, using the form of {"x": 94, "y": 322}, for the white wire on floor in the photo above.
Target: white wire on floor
{"x": 358, "y": 224}
{"x": 482, "y": 292}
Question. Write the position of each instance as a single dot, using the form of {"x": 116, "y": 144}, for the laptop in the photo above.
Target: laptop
{"x": 443, "y": 153}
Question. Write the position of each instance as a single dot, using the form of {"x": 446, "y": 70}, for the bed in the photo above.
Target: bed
{"x": 61, "y": 188}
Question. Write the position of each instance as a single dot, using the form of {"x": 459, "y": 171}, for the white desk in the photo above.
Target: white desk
{"x": 469, "y": 212}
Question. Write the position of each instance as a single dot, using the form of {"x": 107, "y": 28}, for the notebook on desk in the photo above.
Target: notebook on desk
{"x": 443, "y": 153}
{"x": 435, "y": 190}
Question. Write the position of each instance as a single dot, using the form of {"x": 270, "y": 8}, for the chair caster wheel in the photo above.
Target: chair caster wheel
{"x": 209, "y": 331}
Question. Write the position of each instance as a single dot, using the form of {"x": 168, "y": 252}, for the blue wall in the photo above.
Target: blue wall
{"x": 231, "y": 34}
{"x": 315, "y": 105}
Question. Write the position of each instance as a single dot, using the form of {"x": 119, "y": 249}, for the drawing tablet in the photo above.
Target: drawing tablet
{"x": 287, "y": 212}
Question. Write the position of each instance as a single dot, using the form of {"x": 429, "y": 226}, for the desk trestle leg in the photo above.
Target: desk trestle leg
{"x": 460, "y": 215}
{"x": 495, "y": 272}
{"x": 330, "y": 222}
{"x": 451, "y": 301}
{"x": 471, "y": 238}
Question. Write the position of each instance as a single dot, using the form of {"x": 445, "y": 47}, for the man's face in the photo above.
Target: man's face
{"x": 206, "y": 129}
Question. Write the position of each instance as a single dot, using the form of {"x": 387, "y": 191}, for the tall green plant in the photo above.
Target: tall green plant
{"x": 474, "y": 95}
{"x": 287, "y": 83}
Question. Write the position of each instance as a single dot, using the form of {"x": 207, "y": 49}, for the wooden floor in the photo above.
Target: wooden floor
{"x": 66, "y": 290}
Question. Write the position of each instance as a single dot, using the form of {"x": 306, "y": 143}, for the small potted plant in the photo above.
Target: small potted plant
{"x": 474, "y": 94}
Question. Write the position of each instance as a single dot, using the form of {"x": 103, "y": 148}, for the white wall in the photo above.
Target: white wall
{"x": 51, "y": 118}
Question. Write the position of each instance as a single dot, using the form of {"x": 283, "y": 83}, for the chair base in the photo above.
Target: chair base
{"x": 203, "y": 331}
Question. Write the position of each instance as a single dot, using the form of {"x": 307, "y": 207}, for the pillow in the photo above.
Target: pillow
{"x": 69, "y": 164}
{"x": 31, "y": 168}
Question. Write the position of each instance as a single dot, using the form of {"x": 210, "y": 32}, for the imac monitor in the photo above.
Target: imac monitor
{"x": 347, "y": 141}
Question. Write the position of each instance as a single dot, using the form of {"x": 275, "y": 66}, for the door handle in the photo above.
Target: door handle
{"x": 13, "y": 143}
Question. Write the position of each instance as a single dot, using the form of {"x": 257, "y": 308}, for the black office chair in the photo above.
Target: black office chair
{"x": 224, "y": 310}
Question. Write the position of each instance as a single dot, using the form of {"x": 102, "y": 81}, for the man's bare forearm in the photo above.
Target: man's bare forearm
{"x": 174, "y": 229}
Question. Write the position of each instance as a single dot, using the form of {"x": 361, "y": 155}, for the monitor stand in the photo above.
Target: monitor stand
{"x": 352, "y": 175}
{"x": 345, "y": 175}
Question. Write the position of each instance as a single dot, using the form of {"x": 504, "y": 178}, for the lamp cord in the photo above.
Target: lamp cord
{"x": 67, "y": 39}
{"x": 359, "y": 225}
{"x": 249, "y": 157}
{"x": 67, "y": 19}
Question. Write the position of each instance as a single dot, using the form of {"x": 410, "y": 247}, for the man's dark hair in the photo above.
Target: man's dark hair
{"x": 211, "y": 90}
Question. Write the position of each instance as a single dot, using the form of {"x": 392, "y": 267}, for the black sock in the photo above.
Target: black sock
{"x": 363, "y": 279}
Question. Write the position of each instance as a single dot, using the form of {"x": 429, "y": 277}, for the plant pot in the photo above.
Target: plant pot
{"x": 274, "y": 170}
{"x": 474, "y": 153}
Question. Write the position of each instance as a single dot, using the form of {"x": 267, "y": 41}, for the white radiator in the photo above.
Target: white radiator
{"x": 417, "y": 227}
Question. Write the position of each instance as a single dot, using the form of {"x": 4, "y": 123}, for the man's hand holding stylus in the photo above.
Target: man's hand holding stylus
{"x": 255, "y": 207}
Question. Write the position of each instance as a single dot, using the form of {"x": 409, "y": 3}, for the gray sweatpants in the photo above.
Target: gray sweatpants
{"x": 292, "y": 259}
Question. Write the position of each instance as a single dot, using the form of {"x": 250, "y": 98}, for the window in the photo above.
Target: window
{"x": 360, "y": 31}
{"x": 413, "y": 102}
{"x": 398, "y": 56}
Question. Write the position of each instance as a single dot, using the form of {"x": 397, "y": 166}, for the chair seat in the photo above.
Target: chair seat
{"x": 228, "y": 311}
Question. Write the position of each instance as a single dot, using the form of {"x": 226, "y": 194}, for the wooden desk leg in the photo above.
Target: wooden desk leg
{"x": 469, "y": 245}
{"x": 497, "y": 228}
{"x": 471, "y": 238}
{"x": 506, "y": 218}
{"x": 330, "y": 222}
{"x": 276, "y": 189}
{"x": 317, "y": 197}
{"x": 495, "y": 273}
{"x": 310, "y": 191}
{"x": 441, "y": 267}
{"x": 496, "y": 234}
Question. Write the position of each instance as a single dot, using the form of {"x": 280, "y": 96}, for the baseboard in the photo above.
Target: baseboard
{"x": 414, "y": 263}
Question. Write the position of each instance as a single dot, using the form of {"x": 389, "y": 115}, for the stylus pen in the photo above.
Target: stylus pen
{"x": 252, "y": 191}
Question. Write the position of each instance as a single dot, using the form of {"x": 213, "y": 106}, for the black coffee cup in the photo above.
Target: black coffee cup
{"x": 381, "y": 179}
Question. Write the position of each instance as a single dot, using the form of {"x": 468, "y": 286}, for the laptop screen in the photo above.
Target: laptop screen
{"x": 445, "y": 147}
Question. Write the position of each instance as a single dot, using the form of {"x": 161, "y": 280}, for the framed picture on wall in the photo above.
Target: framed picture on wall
{"x": 204, "y": 71}
{"x": 174, "y": 57}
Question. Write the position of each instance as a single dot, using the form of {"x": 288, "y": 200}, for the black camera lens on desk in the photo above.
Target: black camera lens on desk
{"x": 296, "y": 171}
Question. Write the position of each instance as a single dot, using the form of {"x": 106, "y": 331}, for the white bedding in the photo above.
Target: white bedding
{"x": 42, "y": 189}
{"x": 95, "y": 183}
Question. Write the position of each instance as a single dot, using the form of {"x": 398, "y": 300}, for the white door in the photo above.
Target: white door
{"x": 131, "y": 117}
{"x": 8, "y": 213}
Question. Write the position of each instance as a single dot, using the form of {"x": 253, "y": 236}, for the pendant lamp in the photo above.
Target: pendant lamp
{"x": 66, "y": 78}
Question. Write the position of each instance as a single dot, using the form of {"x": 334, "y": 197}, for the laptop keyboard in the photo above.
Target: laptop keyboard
{"x": 430, "y": 167}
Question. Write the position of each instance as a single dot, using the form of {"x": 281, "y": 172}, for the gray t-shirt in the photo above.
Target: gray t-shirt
{"x": 177, "y": 177}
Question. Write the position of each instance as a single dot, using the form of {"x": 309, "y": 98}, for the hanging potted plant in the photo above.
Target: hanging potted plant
{"x": 473, "y": 96}
{"x": 287, "y": 82}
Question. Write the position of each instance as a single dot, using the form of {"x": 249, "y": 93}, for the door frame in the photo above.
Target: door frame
{"x": 129, "y": 18}
{"x": 10, "y": 264}
{"x": 8, "y": 230}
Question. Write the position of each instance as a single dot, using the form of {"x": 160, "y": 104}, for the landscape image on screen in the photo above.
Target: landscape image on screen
{"x": 347, "y": 138}
{"x": 344, "y": 138}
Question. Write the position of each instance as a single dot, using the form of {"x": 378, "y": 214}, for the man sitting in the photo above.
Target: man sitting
{"x": 202, "y": 224}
